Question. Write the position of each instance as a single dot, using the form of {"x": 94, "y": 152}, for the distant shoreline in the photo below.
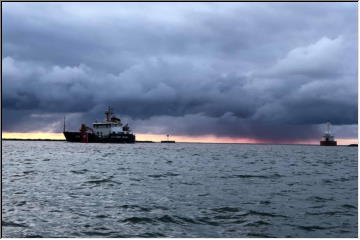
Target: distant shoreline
{"x": 63, "y": 140}
{"x": 53, "y": 140}
{"x": 28, "y": 139}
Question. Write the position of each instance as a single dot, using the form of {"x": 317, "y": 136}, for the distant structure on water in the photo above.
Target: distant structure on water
{"x": 167, "y": 141}
{"x": 328, "y": 139}
{"x": 111, "y": 130}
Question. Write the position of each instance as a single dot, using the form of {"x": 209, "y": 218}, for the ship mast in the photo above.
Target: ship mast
{"x": 108, "y": 114}
{"x": 328, "y": 127}
{"x": 64, "y": 124}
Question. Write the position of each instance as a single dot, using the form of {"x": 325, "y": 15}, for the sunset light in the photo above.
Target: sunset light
{"x": 159, "y": 138}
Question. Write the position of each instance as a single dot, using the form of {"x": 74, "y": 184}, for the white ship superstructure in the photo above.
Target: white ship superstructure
{"x": 111, "y": 125}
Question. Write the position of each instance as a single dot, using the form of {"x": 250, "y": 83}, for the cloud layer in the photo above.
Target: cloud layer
{"x": 255, "y": 70}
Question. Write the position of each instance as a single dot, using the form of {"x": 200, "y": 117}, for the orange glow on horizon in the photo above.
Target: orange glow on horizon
{"x": 160, "y": 137}
{"x": 194, "y": 139}
{"x": 33, "y": 135}
{"x": 347, "y": 141}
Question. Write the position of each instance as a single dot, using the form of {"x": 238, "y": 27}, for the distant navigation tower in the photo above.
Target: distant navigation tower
{"x": 167, "y": 140}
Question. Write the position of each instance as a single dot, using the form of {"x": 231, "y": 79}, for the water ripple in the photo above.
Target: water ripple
{"x": 178, "y": 190}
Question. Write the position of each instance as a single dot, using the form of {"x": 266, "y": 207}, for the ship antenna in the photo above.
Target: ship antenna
{"x": 64, "y": 123}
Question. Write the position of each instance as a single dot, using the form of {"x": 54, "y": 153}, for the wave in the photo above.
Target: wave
{"x": 257, "y": 223}
{"x": 188, "y": 220}
{"x": 82, "y": 171}
{"x": 96, "y": 233}
{"x": 253, "y": 176}
{"x": 136, "y": 220}
{"x": 208, "y": 221}
{"x": 169, "y": 174}
{"x": 179, "y": 220}
{"x": 190, "y": 183}
{"x": 312, "y": 228}
{"x": 227, "y": 217}
{"x": 203, "y": 194}
{"x": 329, "y": 213}
{"x": 319, "y": 199}
{"x": 20, "y": 203}
{"x": 349, "y": 206}
{"x": 29, "y": 172}
{"x": 226, "y": 209}
{"x": 266, "y": 214}
{"x": 101, "y": 181}
{"x": 12, "y": 224}
{"x": 259, "y": 235}
{"x": 167, "y": 219}
{"x": 151, "y": 235}
{"x": 136, "y": 207}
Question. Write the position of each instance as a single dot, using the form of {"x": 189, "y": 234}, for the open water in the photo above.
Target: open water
{"x": 60, "y": 189}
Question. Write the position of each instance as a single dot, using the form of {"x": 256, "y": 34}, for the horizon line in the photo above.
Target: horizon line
{"x": 180, "y": 138}
{"x": 154, "y": 141}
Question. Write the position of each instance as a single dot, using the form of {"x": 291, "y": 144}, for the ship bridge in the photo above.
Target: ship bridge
{"x": 111, "y": 125}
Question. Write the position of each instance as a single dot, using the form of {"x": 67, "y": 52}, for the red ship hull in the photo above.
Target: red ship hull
{"x": 328, "y": 143}
{"x": 93, "y": 138}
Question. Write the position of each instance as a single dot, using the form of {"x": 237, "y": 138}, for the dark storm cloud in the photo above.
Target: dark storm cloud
{"x": 269, "y": 71}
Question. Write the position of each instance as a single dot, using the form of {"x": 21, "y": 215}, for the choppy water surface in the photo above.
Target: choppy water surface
{"x": 60, "y": 189}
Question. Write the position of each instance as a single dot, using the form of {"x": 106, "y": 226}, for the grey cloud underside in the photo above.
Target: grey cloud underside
{"x": 269, "y": 71}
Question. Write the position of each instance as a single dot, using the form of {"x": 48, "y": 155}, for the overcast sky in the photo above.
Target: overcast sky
{"x": 248, "y": 70}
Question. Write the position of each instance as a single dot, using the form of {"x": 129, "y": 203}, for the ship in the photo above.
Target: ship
{"x": 328, "y": 139}
{"x": 110, "y": 130}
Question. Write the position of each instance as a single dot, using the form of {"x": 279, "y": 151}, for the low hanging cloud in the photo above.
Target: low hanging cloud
{"x": 233, "y": 70}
